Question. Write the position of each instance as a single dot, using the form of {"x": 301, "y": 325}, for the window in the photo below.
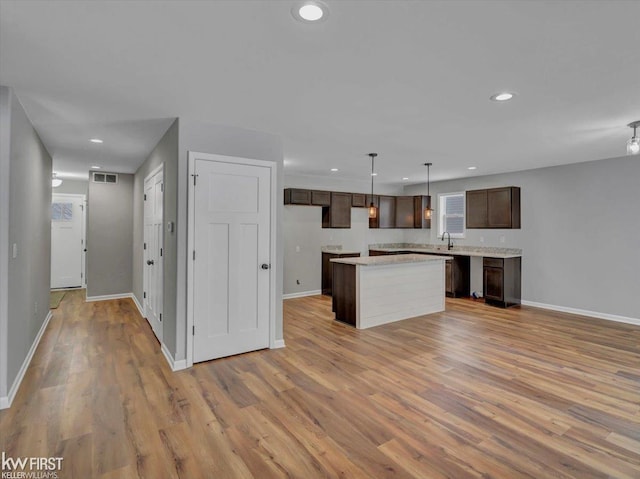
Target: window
{"x": 451, "y": 214}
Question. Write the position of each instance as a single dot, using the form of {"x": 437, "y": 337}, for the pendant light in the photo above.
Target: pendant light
{"x": 427, "y": 209}
{"x": 633, "y": 145}
{"x": 55, "y": 181}
{"x": 373, "y": 210}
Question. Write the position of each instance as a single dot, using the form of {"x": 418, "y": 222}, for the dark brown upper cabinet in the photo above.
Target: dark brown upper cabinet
{"x": 410, "y": 212}
{"x": 419, "y": 205}
{"x": 404, "y": 212}
{"x": 387, "y": 212}
{"x": 375, "y": 199}
{"x": 493, "y": 208}
{"x": 296, "y": 196}
{"x": 359, "y": 200}
{"x": 320, "y": 198}
{"x": 338, "y": 214}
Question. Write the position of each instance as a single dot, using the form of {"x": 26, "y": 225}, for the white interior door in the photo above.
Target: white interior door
{"x": 67, "y": 240}
{"x": 153, "y": 251}
{"x": 231, "y": 277}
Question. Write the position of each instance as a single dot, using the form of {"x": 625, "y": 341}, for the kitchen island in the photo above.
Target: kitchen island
{"x": 374, "y": 290}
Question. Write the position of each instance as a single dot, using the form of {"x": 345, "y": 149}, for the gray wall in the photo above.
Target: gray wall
{"x": 580, "y": 233}
{"x": 72, "y": 187}
{"x": 25, "y": 168}
{"x": 165, "y": 153}
{"x": 304, "y": 236}
{"x": 110, "y": 237}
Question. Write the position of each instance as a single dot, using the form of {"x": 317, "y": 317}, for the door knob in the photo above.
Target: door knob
{"x": 150, "y": 262}
{"x": 265, "y": 266}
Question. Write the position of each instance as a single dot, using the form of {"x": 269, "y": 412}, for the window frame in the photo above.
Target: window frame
{"x": 441, "y": 214}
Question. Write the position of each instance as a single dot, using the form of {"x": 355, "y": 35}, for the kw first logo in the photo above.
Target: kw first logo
{"x": 30, "y": 467}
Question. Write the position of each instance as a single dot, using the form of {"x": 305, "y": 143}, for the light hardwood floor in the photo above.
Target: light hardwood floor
{"x": 474, "y": 392}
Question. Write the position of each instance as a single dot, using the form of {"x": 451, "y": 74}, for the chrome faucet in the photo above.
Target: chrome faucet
{"x": 449, "y": 242}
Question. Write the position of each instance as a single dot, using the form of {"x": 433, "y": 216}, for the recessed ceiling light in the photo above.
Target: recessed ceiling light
{"x": 405, "y": 178}
{"x": 374, "y": 174}
{"x": 95, "y": 167}
{"x": 472, "y": 168}
{"x": 334, "y": 169}
{"x": 96, "y": 140}
{"x": 310, "y": 11}
{"x": 502, "y": 96}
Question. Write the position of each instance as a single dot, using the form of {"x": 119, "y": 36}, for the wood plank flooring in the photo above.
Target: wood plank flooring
{"x": 474, "y": 392}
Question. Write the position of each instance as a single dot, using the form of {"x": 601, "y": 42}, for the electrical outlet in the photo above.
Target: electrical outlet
{"x": 481, "y": 239}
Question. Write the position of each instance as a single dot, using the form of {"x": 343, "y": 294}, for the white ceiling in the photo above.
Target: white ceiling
{"x": 407, "y": 79}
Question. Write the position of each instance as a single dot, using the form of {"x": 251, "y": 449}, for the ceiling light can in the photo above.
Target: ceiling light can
{"x": 502, "y": 96}
{"x": 96, "y": 140}
{"x": 310, "y": 11}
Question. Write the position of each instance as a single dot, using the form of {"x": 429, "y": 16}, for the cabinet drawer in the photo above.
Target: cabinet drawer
{"x": 493, "y": 262}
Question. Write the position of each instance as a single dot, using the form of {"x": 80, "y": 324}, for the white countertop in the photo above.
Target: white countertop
{"x": 390, "y": 259}
{"x": 453, "y": 252}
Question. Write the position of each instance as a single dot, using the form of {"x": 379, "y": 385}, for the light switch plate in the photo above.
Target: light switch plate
{"x": 14, "y": 250}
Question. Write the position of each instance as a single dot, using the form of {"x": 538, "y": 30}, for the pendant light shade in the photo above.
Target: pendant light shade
{"x": 633, "y": 145}
{"x": 55, "y": 181}
{"x": 428, "y": 210}
{"x": 373, "y": 210}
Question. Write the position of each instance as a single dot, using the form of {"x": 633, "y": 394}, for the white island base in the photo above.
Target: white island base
{"x": 376, "y": 290}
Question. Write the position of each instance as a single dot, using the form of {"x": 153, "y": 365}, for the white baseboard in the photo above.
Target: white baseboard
{"x": 135, "y": 301}
{"x": 302, "y": 294}
{"x": 5, "y": 401}
{"x": 277, "y": 344}
{"x": 584, "y": 312}
{"x": 106, "y": 297}
{"x": 174, "y": 365}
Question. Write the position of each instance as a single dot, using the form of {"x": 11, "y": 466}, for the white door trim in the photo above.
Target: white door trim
{"x": 272, "y": 165}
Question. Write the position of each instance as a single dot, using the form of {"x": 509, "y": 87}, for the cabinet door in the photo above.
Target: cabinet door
{"x": 493, "y": 283}
{"x": 358, "y": 200}
{"x": 404, "y": 212}
{"x": 448, "y": 277}
{"x": 320, "y": 198}
{"x": 419, "y": 205}
{"x": 476, "y": 212}
{"x": 295, "y": 196}
{"x": 338, "y": 215}
{"x": 499, "y": 208}
{"x": 387, "y": 212}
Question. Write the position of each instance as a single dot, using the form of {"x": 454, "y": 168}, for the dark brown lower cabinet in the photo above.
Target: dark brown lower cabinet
{"x": 327, "y": 269}
{"x": 344, "y": 293}
{"x": 457, "y": 275}
{"x": 501, "y": 281}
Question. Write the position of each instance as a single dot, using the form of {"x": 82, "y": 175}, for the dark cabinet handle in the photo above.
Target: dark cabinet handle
{"x": 265, "y": 266}
{"x": 150, "y": 262}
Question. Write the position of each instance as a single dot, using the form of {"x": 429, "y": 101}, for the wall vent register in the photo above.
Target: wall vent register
{"x": 111, "y": 178}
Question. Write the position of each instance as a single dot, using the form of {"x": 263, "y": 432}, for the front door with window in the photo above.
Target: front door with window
{"x": 67, "y": 238}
